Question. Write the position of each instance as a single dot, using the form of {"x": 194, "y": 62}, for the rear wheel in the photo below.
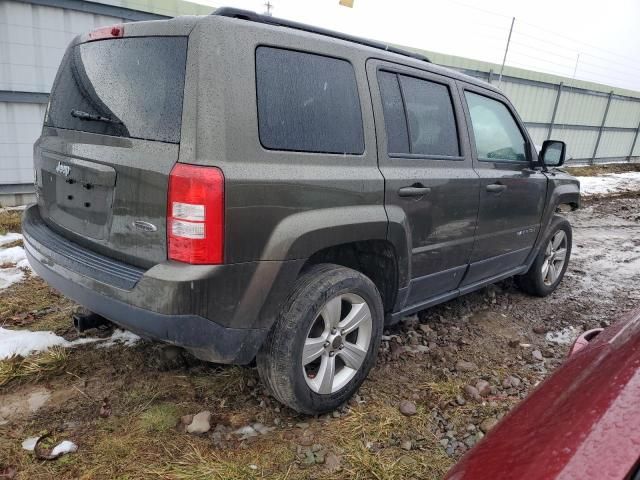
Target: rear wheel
{"x": 549, "y": 267}
{"x": 324, "y": 341}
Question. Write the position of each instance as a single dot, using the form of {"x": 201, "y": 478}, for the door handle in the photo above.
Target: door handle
{"x": 416, "y": 190}
{"x": 496, "y": 188}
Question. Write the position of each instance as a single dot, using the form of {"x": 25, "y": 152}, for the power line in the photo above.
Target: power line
{"x": 538, "y": 27}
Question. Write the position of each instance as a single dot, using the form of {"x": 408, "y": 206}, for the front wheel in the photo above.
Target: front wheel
{"x": 324, "y": 341}
{"x": 549, "y": 267}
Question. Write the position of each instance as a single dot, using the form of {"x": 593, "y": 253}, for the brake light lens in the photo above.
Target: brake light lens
{"x": 195, "y": 214}
{"x": 112, "y": 31}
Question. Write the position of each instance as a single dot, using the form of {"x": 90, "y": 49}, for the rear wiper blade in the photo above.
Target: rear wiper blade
{"x": 93, "y": 117}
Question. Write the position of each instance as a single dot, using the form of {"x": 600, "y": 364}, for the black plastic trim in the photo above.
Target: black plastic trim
{"x": 204, "y": 338}
{"x": 266, "y": 19}
{"x": 72, "y": 256}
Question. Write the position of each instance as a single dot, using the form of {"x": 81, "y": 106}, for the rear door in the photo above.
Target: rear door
{"x": 430, "y": 185}
{"x": 111, "y": 136}
{"x": 512, "y": 193}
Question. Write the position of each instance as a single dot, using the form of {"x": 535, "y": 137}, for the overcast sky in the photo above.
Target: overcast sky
{"x": 548, "y": 34}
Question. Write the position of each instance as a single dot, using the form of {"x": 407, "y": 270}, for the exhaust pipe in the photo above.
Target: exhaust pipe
{"x": 87, "y": 321}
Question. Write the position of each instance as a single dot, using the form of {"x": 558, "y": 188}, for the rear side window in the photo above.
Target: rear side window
{"x": 496, "y": 133}
{"x": 128, "y": 87}
{"x": 419, "y": 116}
{"x": 393, "y": 110}
{"x": 307, "y": 103}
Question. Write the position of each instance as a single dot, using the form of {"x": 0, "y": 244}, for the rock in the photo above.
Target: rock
{"x": 460, "y": 400}
{"x": 332, "y": 462}
{"x": 487, "y": 424}
{"x": 105, "y": 408}
{"x": 184, "y": 421}
{"x": 335, "y": 414}
{"x": 407, "y": 408}
{"x": 309, "y": 458}
{"x": 470, "y": 441}
{"x": 306, "y": 440}
{"x": 540, "y": 329}
{"x": 444, "y": 442}
{"x": 261, "y": 428}
{"x": 302, "y": 425}
{"x": 464, "y": 366}
{"x": 537, "y": 355}
{"x": 483, "y": 387}
{"x": 200, "y": 423}
{"x": 472, "y": 392}
{"x": 406, "y": 445}
{"x": 511, "y": 382}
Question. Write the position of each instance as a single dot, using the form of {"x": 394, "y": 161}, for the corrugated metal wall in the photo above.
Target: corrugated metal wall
{"x": 20, "y": 125}
{"x": 33, "y": 39}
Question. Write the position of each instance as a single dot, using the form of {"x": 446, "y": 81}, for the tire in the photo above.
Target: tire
{"x": 302, "y": 322}
{"x": 536, "y": 281}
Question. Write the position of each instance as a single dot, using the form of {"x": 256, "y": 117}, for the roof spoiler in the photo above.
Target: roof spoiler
{"x": 266, "y": 19}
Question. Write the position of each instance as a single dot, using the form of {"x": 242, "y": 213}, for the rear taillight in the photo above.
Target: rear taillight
{"x": 195, "y": 214}
{"x": 112, "y": 31}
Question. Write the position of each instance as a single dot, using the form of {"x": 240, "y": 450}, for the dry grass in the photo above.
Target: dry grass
{"x": 35, "y": 367}
{"x": 31, "y": 303}
{"x": 10, "y": 221}
{"x": 592, "y": 170}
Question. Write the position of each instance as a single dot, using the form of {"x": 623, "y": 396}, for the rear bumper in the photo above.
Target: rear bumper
{"x": 219, "y": 313}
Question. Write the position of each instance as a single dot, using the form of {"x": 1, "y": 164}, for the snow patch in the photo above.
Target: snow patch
{"x": 9, "y": 238}
{"x": 16, "y": 258}
{"x": 26, "y": 342}
{"x": 563, "y": 337}
{"x": 66, "y": 446}
{"x": 30, "y": 443}
{"x": 610, "y": 183}
{"x": 125, "y": 337}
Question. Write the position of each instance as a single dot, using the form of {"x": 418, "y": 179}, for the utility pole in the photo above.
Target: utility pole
{"x": 269, "y": 6}
{"x": 576, "y": 67}
{"x": 504, "y": 59}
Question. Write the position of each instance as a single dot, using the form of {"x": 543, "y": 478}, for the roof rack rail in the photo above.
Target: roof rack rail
{"x": 256, "y": 17}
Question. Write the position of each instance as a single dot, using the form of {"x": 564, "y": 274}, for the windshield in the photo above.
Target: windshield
{"x": 129, "y": 87}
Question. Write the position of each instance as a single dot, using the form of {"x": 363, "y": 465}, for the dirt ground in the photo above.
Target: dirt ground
{"x": 463, "y": 364}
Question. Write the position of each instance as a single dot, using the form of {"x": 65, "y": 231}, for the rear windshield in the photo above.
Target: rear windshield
{"x": 129, "y": 87}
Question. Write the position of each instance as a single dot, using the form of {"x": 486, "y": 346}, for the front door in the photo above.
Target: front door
{"x": 512, "y": 193}
{"x": 430, "y": 185}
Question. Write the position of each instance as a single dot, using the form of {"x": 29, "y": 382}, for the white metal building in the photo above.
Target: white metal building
{"x": 598, "y": 122}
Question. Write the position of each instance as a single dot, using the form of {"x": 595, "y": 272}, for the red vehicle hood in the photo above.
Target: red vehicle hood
{"x": 583, "y": 422}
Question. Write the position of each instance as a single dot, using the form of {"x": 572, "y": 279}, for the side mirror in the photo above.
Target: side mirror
{"x": 552, "y": 153}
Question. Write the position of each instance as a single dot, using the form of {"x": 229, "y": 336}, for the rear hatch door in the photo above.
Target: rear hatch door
{"x": 110, "y": 139}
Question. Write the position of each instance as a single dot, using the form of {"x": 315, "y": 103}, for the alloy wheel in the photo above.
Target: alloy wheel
{"x": 337, "y": 343}
{"x": 554, "y": 257}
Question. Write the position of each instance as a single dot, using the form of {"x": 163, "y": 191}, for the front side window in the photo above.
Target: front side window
{"x": 307, "y": 103}
{"x": 496, "y": 133}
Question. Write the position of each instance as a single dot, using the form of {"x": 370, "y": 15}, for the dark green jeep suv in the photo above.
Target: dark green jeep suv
{"x": 252, "y": 188}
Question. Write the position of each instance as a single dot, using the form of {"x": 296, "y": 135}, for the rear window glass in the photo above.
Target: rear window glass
{"x": 307, "y": 103}
{"x": 129, "y": 87}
